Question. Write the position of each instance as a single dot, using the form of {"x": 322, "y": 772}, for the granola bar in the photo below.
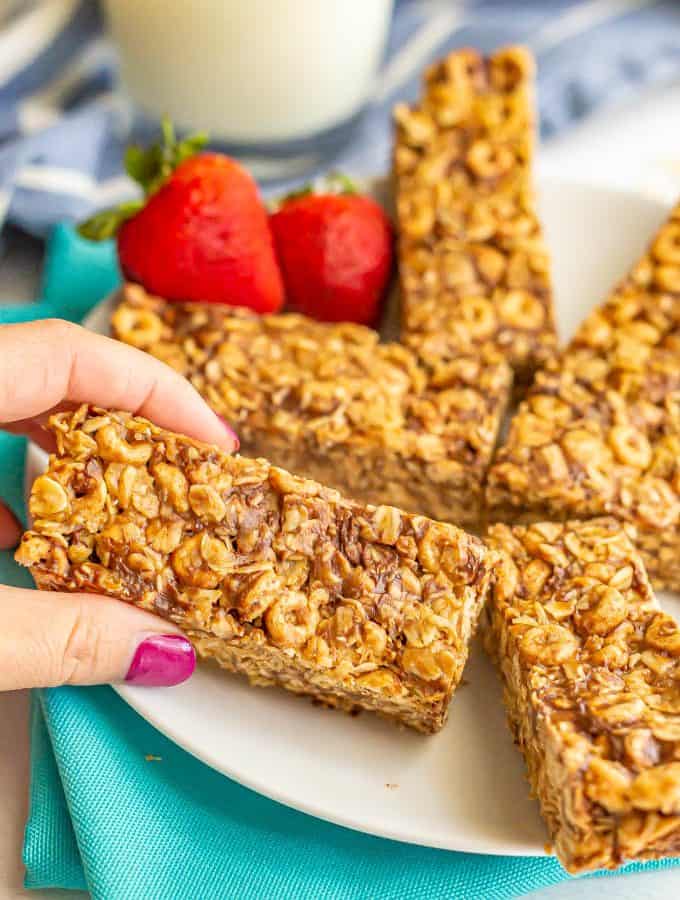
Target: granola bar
{"x": 376, "y": 421}
{"x": 473, "y": 262}
{"x": 591, "y": 673}
{"x": 272, "y": 575}
{"x": 600, "y": 430}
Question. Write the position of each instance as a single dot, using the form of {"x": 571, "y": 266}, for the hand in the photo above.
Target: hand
{"x": 49, "y": 638}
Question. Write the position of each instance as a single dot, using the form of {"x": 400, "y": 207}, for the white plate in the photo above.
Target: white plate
{"x": 463, "y": 789}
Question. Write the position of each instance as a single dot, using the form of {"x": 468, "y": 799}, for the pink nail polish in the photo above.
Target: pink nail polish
{"x": 161, "y": 661}
{"x": 237, "y": 442}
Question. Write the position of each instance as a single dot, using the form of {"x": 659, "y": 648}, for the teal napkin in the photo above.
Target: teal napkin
{"x": 119, "y": 810}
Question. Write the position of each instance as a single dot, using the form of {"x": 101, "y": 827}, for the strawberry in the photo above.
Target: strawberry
{"x": 202, "y": 232}
{"x": 335, "y": 253}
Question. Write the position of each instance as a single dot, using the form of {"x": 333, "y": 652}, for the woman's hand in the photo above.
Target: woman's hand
{"x": 47, "y": 638}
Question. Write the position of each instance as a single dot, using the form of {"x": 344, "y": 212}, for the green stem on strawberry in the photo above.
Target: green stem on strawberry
{"x": 339, "y": 183}
{"x": 336, "y": 183}
{"x": 150, "y": 167}
{"x": 104, "y": 225}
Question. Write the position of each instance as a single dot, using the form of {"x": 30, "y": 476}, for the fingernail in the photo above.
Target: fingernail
{"x": 230, "y": 430}
{"x": 161, "y": 661}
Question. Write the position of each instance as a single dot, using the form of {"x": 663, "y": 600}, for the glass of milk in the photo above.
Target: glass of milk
{"x": 279, "y": 83}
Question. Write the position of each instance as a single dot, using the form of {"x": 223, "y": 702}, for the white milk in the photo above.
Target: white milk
{"x": 250, "y": 71}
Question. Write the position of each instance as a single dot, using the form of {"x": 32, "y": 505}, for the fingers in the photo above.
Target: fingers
{"x": 49, "y": 639}
{"x": 44, "y": 364}
{"x": 10, "y": 529}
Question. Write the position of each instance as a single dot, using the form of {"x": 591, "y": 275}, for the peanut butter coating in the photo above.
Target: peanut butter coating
{"x": 473, "y": 263}
{"x": 382, "y": 423}
{"x": 270, "y": 574}
{"x": 590, "y": 666}
{"x": 599, "y": 432}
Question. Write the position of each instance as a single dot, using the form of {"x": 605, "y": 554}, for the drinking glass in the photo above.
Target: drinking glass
{"x": 278, "y": 83}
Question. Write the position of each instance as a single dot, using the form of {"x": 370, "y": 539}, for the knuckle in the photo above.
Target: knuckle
{"x": 58, "y": 329}
{"x": 80, "y": 651}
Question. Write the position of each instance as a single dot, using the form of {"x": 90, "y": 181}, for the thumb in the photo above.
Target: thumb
{"x": 49, "y": 639}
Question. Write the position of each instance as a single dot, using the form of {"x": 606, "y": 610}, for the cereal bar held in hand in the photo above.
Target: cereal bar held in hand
{"x": 271, "y": 575}
{"x": 591, "y": 674}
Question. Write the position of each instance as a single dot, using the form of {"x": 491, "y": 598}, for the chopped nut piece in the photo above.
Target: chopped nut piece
{"x": 599, "y": 432}
{"x": 592, "y": 689}
{"x": 473, "y": 262}
{"x": 382, "y": 423}
{"x": 272, "y": 575}
{"x": 49, "y": 499}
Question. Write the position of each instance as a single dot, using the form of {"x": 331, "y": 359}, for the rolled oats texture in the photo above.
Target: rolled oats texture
{"x": 590, "y": 666}
{"x": 269, "y": 574}
{"x": 382, "y": 422}
{"x": 599, "y": 432}
{"x": 473, "y": 263}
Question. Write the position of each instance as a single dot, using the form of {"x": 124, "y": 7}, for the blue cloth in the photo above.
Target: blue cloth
{"x": 62, "y": 128}
{"x": 104, "y": 817}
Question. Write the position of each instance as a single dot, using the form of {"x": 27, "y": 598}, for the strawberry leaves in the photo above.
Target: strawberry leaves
{"x": 150, "y": 167}
{"x": 336, "y": 183}
{"x": 105, "y": 224}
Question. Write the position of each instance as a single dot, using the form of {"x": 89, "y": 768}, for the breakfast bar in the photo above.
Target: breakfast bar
{"x": 599, "y": 432}
{"x": 589, "y": 664}
{"x": 473, "y": 263}
{"x": 383, "y": 423}
{"x": 271, "y": 575}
